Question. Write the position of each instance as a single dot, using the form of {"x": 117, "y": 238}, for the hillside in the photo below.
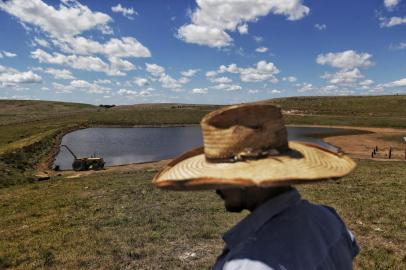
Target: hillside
{"x": 30, "y": 130}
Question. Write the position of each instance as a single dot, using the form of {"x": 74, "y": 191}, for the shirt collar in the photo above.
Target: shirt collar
{"x": 256, "y": 219}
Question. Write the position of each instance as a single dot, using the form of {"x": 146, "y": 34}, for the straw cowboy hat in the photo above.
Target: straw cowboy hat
{"x": 246, "y": 145}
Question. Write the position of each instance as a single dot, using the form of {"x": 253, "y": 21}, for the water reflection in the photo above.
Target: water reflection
{"x": 132, "y": 145}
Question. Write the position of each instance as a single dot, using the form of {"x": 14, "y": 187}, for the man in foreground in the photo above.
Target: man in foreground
{"x": 249, "y": 161}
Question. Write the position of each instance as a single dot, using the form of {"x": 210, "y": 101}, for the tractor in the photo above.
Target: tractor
{"x": 85, "y": 163}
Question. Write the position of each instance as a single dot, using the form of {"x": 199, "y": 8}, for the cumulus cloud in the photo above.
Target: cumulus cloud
{"x": 89, "y": 63}
{"x": 124, "y": 47}
{"x": 72, "y": 18}
{"x": 390, "y": 4}
{"x": 232, "y": 68}
{"x": 211, "y": 73}
{"x": 13, "y": 76}
{"x": 262, "y": 72}
{"x": 243, "y": 29}
{"x": 80, "y": 85}
{"x": 212, "y": 18}
{"x": 227, "y": 87}
{"x": 289, "y": 79}
{"x": 203, "y": 35}
{"x": 189, "y": 72}
{"x": 166, "y": 80}
{"x": 320, "y": 27}
{"x": 42, "y": 42}
{"x": 344, "y": 76}
{"x": 221, "y": 80}
{"x": 127, "y": 12}
{"x": 64, "y": 24}
{"x": 398, "y": 83}
{"x": 154, "y": 69}
{"x": 9, "y": 54}
{"x": 169, "y": 82}
{"x": 141, "y": 82}
{"x": 262, "y": 49}
{"x": 63, "y": 74}
{"x": 347, "y": 59}
{"x": 199, "y": 91}
{"x": 305, "y": 87}
{"x": 393, "y": 21}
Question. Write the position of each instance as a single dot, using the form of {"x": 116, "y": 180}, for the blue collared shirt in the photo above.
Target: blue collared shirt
{"x": 288, "y": 233}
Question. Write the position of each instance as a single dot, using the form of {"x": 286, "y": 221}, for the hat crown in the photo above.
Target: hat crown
{"x": 243, "y": 130}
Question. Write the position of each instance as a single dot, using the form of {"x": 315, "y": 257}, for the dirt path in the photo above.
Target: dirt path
{"x": 357, "y": 146}
{"x": 362, "y": 145}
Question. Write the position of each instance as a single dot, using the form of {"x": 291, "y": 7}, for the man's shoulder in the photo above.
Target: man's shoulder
{"x": 306, "y": 234}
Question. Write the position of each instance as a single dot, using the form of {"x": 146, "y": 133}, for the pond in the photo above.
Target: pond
{"x": 119, "y": 146}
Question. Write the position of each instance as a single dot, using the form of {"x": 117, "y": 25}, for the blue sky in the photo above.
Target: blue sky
{"x": 200, "y": 51}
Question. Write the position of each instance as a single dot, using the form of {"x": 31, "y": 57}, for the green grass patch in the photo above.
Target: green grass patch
{"x": 118, "y": 220}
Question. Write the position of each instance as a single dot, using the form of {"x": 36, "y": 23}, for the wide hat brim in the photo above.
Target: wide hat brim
{"x": 303, "y": 163}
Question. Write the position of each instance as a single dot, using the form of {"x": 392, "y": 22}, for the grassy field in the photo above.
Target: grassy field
{"x": 117, "y": 220}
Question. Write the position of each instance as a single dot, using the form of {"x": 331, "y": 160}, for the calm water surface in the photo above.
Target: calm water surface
{"x": 120, "y": 146}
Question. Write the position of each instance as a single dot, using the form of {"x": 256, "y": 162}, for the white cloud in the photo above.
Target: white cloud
{"x": 184, "y": 80}
{"x": 212, "y": 18}
{"x": 347, "y": 59}
{"x": 169, "y": 82}
{"x": 276, "y": 91}
{"x": 89, "y": 63}
{"x": 253, "y": 91}
{"x": 13, "y": 76}
{"x": 42, "y": 42}
{"x": 305, "y": 87}
{"x": 72, "y": 18}
{"x": 398, "y": 83}
{"x": 9, "y": 54}
{"x": 262, "y": 49}
{"x": 124, "y": 47}
{"x": 63, "y": 25}
{"x": 125, "y": 92}
{"x": 263, "y": 72}
{"x": 320, "y": 27}
{"x": 290, "y": 79}
{"x": 127, "y": 12}
{"x": 227, "y": 87}
{"x": 393, "y": 21}
{"x": 155, "y": 69}
{"x": 204, "y": 35}
{"x": 199, "y": 91}
{"x": 390, "y": 4}
{"x": 121, "y": 64}
{"x": 344, "y": 76}
{"x": 366, "y": 83}
{"x": 80, "y": 85}
{"x": 243, "y": 29}
{"x": 232, "y": 68}
{"x": 100, "y": 81}
{"x": 211, "y": 73}
{"x": 221, "y": 80}
{"x": 63, "y": 74}
{"x": 141, "y": 82}
{"x": 189, "y": 72}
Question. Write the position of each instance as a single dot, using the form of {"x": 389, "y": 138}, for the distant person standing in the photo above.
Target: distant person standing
{"x": 248, "y": 160}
